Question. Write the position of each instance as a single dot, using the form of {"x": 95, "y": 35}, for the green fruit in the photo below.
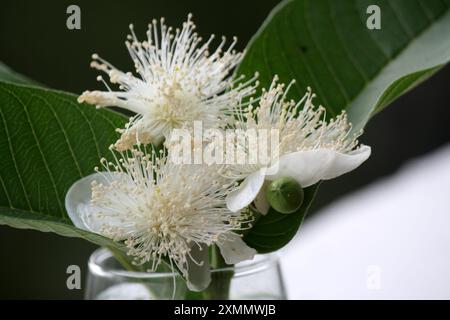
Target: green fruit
{"x": 285, "y": 195}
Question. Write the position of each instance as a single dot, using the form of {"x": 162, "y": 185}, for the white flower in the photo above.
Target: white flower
{"x": 160, "y": 209}
{"x": 310, "y": 149}
{"x": 179, "y": 82}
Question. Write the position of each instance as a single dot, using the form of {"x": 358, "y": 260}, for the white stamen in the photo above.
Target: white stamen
{"x": 161, "y": 209}
{"x": 179, "y": 82}
{"x": 302, "y": 126}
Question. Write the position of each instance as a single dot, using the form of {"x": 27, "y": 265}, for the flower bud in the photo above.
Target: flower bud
{"x": 285, "y": 195}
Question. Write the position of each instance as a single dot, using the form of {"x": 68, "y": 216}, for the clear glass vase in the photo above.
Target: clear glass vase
{"x": 108, "y": 280}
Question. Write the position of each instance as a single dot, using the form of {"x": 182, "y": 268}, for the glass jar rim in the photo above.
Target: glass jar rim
{"x": 96, "y": 266}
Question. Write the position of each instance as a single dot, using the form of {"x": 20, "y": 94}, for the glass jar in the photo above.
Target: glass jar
{"x": 108, "y": 280}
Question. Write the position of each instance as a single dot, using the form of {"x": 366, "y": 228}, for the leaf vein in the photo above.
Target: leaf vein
{"x": 58, "y": 196}
{"x": 11, "y": 151}
{"x": 66, "y": 138}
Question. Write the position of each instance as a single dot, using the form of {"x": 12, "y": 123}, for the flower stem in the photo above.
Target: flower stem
{"x": 219, "y": 289}
{"x": 123, "y": 260}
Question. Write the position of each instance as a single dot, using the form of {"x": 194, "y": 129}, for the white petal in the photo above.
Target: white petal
{"x": 261, "y": 203}
{"x": 247, "y": 191}
{"x": 309, "y": 167}
{"x": 78, "y": 202}
{"x": 87, "y": 214}
{"x": 344, "y": 163}
{"x": 199, "y": 276}
{"x": 234, "y": 249}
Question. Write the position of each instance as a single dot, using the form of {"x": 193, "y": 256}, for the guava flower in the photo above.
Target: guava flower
{"x": 161, "y": 210}
{"x": 310, "y": 149}
{"x": 179, "y": 82}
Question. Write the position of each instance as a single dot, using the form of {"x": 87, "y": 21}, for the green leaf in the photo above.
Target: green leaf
{"x": 22, "y": 219}
{"x": 325, "y": 44}
{"x": 47, "y": 142}
{"x": 275, "y": 229}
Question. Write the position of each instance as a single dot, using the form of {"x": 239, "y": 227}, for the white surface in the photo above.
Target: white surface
{"x": 390, "y": 240}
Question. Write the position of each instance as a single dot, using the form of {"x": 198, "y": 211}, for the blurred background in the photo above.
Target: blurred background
{"x": 36, "y": 43}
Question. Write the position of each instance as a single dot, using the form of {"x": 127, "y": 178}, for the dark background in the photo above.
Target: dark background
{"x": 34, "y": 41}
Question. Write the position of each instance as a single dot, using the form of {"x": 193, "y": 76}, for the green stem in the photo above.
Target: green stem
{"x": 123, "y": 260}
{"x": 219, "y": 289}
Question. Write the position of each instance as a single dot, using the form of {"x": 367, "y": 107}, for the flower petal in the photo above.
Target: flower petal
{"x": 309, "y": 167}
{"x": 198, "y": 271}
{"x": 261, "y": 203}
{"x": 234, "y": 249}
{"x": 247, "y": 191}
{"x": 78, "y": 202}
